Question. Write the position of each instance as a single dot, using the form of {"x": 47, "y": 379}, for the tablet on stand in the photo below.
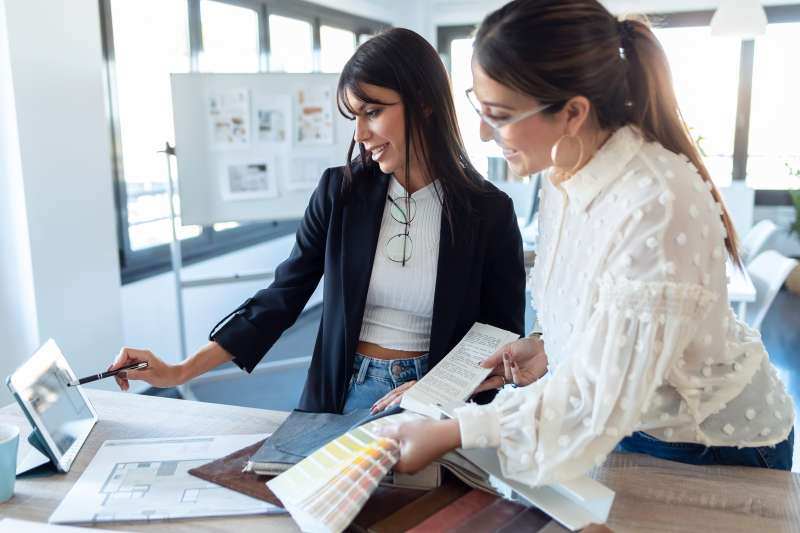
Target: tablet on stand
{"x": 61, "y": 415}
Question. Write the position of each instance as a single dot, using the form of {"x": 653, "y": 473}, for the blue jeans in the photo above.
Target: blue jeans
{"x": 374, "y": 378}
{"x": 778, "y": 457}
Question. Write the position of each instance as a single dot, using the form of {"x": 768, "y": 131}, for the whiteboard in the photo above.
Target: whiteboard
{"x": 253, "y": 146}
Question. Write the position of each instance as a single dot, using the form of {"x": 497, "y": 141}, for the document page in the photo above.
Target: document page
{"x": 458, "y": 374}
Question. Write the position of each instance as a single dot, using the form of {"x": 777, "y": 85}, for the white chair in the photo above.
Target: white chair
{"x": 768, "y": 271}
{"x": 757, "y": 239}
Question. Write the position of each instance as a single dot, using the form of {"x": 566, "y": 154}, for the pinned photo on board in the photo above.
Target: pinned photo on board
{"x": 229, "y": 119}
{"x": 249, "y": 181}
{"x": 271, "y": 125}
{"x": 314, "y": 116}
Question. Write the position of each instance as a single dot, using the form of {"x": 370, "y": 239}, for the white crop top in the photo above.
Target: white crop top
{"x": 399, "y": 303}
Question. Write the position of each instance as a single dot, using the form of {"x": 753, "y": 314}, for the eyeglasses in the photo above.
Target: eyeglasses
{"x": 494, "y": 123}
{"x": 398, "y": 249}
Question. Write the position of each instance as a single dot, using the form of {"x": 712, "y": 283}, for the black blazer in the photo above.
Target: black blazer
{"x": 480, "y": 278}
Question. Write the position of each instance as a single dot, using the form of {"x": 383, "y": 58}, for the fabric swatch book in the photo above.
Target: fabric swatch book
{"x": 292, "y": 441}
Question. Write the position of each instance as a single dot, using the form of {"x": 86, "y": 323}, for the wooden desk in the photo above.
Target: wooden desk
{"x": 131, "y": 416}
{"x": 652, "y": 495}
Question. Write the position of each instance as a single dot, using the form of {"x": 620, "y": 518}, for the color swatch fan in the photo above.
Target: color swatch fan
{"x": 325, "y": 491}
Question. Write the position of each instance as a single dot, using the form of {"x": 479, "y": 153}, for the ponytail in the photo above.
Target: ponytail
{"x": 653, "y": 108}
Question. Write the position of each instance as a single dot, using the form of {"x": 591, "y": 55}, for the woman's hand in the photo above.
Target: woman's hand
{"x": 393, "y": 397}
{"x": 157, "y": 374}
{"x": 423, "y": 442}
{"x": 521, "y": 362}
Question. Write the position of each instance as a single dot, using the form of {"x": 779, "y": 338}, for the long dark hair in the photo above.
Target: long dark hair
{"x": 403, "y": 61}
{"x": 554, "y": 50}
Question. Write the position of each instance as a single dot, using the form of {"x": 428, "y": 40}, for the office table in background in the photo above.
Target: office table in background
{"x": 741, "y": 290}
{"x": 651, "y": 495}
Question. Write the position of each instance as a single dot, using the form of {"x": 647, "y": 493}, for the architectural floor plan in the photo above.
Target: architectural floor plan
{"x": 148, "y": 479}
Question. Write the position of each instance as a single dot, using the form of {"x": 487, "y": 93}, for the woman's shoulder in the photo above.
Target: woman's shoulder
{"x": 657, "y": 178}
{"x": 487, "y": 202}
{"x": 486, "y": 193}
{"x": 335, "y": 179}
{"x": 672, "y": 171}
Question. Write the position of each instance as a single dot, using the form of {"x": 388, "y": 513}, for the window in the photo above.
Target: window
{"x": 147, "y": 40}
{"x": 291, "y": 44}
{"x": 230, "y": 38}
{"x": 705, "y": 72}
{"x": 455, "y": 46}
{"x": 142, "y": 68}
{"x": 337, "y": 46}
{"x": 774, "y": 141}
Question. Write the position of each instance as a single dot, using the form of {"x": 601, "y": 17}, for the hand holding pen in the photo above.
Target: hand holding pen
{"x": 95, "y": 377}
{"x": 157, "y": 374}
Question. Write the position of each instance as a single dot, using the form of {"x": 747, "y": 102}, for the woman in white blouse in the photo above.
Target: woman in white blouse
{"x": 640, "y": 348}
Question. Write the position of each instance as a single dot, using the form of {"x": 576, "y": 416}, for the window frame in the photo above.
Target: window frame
{"x": 775, "y": 15}
{"x": 136, "y": 265}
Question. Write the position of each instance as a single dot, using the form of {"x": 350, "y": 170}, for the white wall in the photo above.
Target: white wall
{"x": 17, "y": 309}
{"x": 55, "y": 60}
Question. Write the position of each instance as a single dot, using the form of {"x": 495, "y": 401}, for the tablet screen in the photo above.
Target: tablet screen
{"x": 63, "y": 415}
{"x": 62, "y": 410}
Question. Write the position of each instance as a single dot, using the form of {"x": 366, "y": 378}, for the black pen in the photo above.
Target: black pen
{"x": 88, "y": 379}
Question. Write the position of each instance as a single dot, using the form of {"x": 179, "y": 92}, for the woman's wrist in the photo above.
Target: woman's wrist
{"x": 450, "y": 434}
{"x": 207, "y": 358}
{"x": 182, "y": 372}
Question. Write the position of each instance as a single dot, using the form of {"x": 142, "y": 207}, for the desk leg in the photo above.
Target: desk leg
{"x": 742, "y": 312}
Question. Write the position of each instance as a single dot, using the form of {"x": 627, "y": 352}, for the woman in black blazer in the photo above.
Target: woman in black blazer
{"x": 396, "y": 90}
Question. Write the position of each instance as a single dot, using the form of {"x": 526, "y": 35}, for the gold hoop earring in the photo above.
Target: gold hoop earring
{"x": 560, "y": 172}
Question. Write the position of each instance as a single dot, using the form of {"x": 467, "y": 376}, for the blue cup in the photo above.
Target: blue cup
{"x": 9, "y": 440}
